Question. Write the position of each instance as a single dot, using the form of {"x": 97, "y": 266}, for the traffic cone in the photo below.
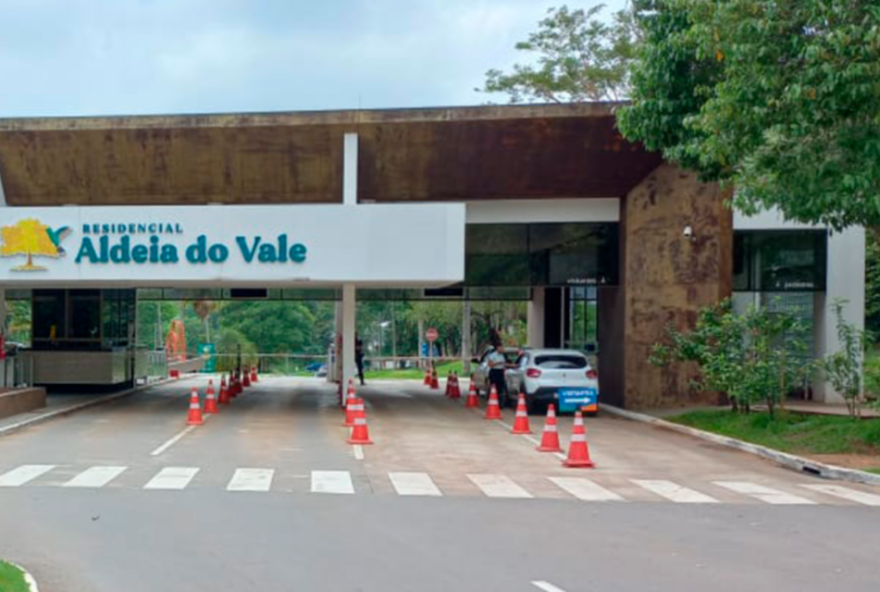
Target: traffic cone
{"x": 224, "y": 391}
{"x": 493, "y": 411}
{"x": 427, "y": 377}
{"x": 550, "y": 435}
{"x": 245, "y": 380}
{"x": 521, "y": 422}
{"x": 473, "y": 398}
{"x": 448, "y": 384}
{"x": 350, "y": 392}
{"x": 435, "y": 383}
{"x": 195, "y": 411}
{"x": 254, "y": 374}
{"x": 210, "y": 399}
{"x": 360, "y": 434}
{"x": 578, "y": 452}
{"x": 456, "y": 389}
{"x": 353, "y": 409}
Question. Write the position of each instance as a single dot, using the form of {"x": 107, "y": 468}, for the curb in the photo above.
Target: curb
{"x": 28, "y": 578}
{"x": 790, "y": 461}
{"x": 5, "y": 431}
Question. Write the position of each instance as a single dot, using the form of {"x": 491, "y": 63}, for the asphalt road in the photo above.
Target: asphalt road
{"x": 85, "y": 518}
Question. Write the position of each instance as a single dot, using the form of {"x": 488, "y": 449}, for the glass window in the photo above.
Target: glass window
{"x": 780, "y": 261}
{"x": 560, "y": 362}
{"x": 497, "y": 255}
{"x": 48, "y": 316}
{"x": 85, "y": 314}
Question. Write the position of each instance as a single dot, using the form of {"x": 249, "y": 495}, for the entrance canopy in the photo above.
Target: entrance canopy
{"x": 214, "y": 246}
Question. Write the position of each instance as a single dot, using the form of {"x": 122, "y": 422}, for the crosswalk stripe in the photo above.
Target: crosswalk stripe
{"x": 23, "y": 474}
{"x": 853, "y": 495}
{"x": 586, "y": 490}
{"x": 498, "y": 486}
{"x": 251, "y": 480}
{"x": 765, "y": 494}
{"x": 95, "y": 477}
{"x": 332, "y": 482}
{"x": 172, "y": 478}
{"x": 414, "y": 484}
{"x": 674, "y": 492}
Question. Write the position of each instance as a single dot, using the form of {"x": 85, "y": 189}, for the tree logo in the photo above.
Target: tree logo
{"x": 30, "y": 237}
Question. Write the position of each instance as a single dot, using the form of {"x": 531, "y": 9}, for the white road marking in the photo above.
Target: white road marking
{"x": 95, "y": 477}
{"x": 332, "y": 482}
{"x": 172, "y": 478}
{"x": 358, "y": 452}
{"x": 251, "y": 480}
{"x": 586, "y": 490}
{"x": 499, "y": 486}
{"x": 853, "y": 495}
{"x": 674, "y": 491}
{"x": 23, "y": 474}
{"x": 547, "y": 587}
{"x": 173, "y": 440}
{"x": 765, "y": 494}
{"x": 414, "y": 484}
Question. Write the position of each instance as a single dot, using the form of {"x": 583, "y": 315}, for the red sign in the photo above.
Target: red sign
{"x": 431, "y": 335}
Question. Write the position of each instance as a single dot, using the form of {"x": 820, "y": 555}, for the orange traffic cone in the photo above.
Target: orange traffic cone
{"x": 224, "y": 391}
{"x": 493, "y": 411}
{"x": 210, "y": 399}
{"x": 473, "y": 398}
{"x": 427, "y": 377}
{"x": 195, "y": 411}
{"x": 435, "y": 382}
{"x": 448, "y": 384}
{"x": 254, "y": 377}
{"x": 456, "y": 389}
{"x": 245, "y": 380}
{"x": 354, "y": 408}
{"x": 578, "y": 452}
{"x": 359, "y": 433}
{"x": 550, "y": 436}
{"x": 521, "y": 422}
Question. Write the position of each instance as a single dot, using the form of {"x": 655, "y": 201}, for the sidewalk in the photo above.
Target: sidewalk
{"x": 54, "y": 403}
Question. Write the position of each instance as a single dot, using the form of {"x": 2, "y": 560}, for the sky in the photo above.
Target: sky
{"x": 112, "y": 57}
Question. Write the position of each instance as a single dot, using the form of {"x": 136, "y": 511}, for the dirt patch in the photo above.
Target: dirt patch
{"x": 851, "y": 461}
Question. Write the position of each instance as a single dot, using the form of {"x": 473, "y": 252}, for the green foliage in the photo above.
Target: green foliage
{"x": 843, "y": 368}
{"x": 778, "y": 98}
{"x": 12, "y": 579}
{"x": 755, "y": 356}
{"x": 18, "y": 321}
{"x": 578, "y": 58}
{"x": 872, "y": 285}
{"x": 791, "y": 432}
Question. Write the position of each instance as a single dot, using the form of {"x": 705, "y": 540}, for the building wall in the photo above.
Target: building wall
{"x": 667, "y": 279}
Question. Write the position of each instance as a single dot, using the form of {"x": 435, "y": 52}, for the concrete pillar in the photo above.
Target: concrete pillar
{"x": 846, "y": 281}
{"x": 535, "y": 318}
{"x": 349, "y": 319}
{"x": 349, "y": 170}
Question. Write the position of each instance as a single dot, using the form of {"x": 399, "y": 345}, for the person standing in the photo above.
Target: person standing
{"x": 359, "y": 357}
{"x": 497, "y": 364}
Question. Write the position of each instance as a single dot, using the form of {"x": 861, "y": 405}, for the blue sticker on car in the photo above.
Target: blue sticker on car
{"x": 573, "y": 399}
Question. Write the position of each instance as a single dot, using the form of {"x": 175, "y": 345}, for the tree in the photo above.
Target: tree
{"x": 27, "y": 237}
{"x": 579, "y": 58}
{"x": 843, "y": 368}
{"x": 872, "y": 286}
{"x": 756, "y": 356}
{"x": 775, "y": 98}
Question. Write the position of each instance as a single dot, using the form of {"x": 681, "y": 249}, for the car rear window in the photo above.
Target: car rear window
{"x": 561, "y": 362}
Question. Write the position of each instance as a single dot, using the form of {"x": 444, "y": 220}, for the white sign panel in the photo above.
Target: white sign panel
{"x": 392, "y": 245}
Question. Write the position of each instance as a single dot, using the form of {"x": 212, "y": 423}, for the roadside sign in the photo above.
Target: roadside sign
{"x": 572, "y": 399}
{"x": 431, "y": 335}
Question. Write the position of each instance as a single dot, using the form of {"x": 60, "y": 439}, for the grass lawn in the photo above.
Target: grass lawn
{"x": 792, "y": 432}
{"x": 442, "y": 370}
{"x": 11, "y": 579}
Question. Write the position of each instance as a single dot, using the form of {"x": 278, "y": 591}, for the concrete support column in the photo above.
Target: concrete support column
{"x": 349, "y": 320}
{"x": 846, "y": 281}
{"x": 535, "y": 318}
{"x": 349, "y": 169}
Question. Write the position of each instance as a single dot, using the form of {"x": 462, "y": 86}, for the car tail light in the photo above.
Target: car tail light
{"x": 592, "y": 374}
{"x": 533, "y": 373}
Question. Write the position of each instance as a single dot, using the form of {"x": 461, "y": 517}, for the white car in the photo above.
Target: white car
{"x": 560, "y": 376}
